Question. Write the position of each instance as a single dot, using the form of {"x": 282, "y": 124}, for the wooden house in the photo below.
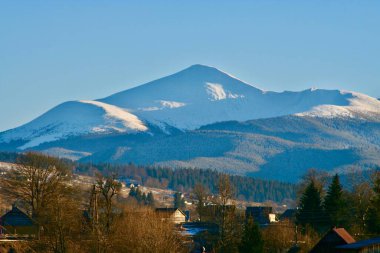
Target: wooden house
{"x": 289, "y": 215}
{"x": 174, "y": 215}
{"x": 211, "y": 212}
{"x": 335, "y": 237}
{"x": 263, "y": 215}
{"x": 18, "y": 224}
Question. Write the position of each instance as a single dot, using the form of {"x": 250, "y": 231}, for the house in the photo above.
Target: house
{"x": 289, "y": 215}
{"x": 175, "y": 215}
{"x": 18, "y": 223}
{"x": 364, "y": 246}
{"x": 335, "y": 237}
{"x": 212, "y": 211}
{"x": 261, "y": 214}
{"x": 2, "y": 231}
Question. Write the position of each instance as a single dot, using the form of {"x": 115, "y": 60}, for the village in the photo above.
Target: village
{"x": 196, "y": 219}
{"x": 195, "y": 126}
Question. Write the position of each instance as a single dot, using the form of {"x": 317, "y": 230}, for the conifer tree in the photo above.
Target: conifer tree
{"x": 310, "y": 208}
{"x": 373, "y": 215}
{"x": 252, "y": 240}
{"x": 200, "y": 194}
{"x": 150, "y": 199}
{"x": 334, "y": 203}
{"x": 132, "y": 192}
{"x": 179, "y": 202}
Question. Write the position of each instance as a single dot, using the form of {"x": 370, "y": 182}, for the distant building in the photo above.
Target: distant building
{"x": 364, "y": 246}
{"x": 129, "y": 182}
{"x": 335, "y": 237}
{"x": 175, "y": 215}
{"x": 187, "y": 213}
{"x": 289, "y": 215}
{"x": 211, "y": 212}
{"x": 261, "y": 214}
{"x": 18, "y": 223}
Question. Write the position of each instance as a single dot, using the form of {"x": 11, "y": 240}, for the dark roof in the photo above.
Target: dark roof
{"x": 260, "y": 214}
{"x": 16, "y": 217}
{"x": 289, "y": 214}
{"x": 361, "y": 244}
{"x": 335, "y": 237}
{"x": 260, "y": 208}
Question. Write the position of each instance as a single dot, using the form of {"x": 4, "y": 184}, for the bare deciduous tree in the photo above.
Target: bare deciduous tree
{"x": 229, "y": 227}
{"x": 36, "y": 180}
{"x": 108, "y": 188}
{"x": 140, "y": 229}
{"x": 200, "y": 194}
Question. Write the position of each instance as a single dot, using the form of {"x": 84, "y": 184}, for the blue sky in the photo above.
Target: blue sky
{"x": 54, "y": 51}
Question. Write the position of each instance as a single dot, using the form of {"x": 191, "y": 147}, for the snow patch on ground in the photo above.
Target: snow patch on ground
{"x": 217, "y": 92}
{"x": 7, "y": 166}
{"x": 66, "y": 153}
{"x": 129, "y": 120}
{"x": 149, "y": 109}
{"x": 41, "y": 139}
{"x": 171, "y": 104}
{"x": 163, "y": 104}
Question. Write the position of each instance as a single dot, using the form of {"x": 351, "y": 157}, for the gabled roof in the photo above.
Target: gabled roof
{"x": 333, "y": 238}
{"x": 16, "y": 217}
{"x": 260, "y": 214}
{"x": 169, "y": 210}
{"x": 361, "y": 244}
{"x": 289, "y": 214}
{"x": 342, "y": 233}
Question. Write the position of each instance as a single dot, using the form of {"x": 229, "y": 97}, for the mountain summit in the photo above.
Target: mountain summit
{"x": 187, "y": 100}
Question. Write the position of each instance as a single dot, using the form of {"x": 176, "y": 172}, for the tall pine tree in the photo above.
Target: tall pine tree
{"x": 150, "y": 199}
{"x": 310, "y": 208}
{"x": 179, "y": 201}
{"x": 373, "y": 215}
{"x": 334, "y": 203}
{"x": 251, "y": 240}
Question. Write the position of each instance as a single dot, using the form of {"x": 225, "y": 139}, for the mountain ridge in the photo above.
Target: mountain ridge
{"x": 203, "y": 117}
{"x": 189, "y": 99}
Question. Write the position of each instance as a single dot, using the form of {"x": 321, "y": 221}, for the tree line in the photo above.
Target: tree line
{"x": 325, "y": 203}
{"x": 184, "y": 180}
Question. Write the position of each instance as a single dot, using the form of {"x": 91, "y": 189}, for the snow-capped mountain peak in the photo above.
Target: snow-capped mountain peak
{"x": 72, "y": 119}
{"x": 191, "y": 98}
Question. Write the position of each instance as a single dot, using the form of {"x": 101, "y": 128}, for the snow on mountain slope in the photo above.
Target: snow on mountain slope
{"x": 129, "y": 120}
{"x": 207, "y": 95}
{"x": 74, "y": 118}
{"x": 360, "y": 106}
{"x": 201, "y": 95}
{"x": 194, "y": 97}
